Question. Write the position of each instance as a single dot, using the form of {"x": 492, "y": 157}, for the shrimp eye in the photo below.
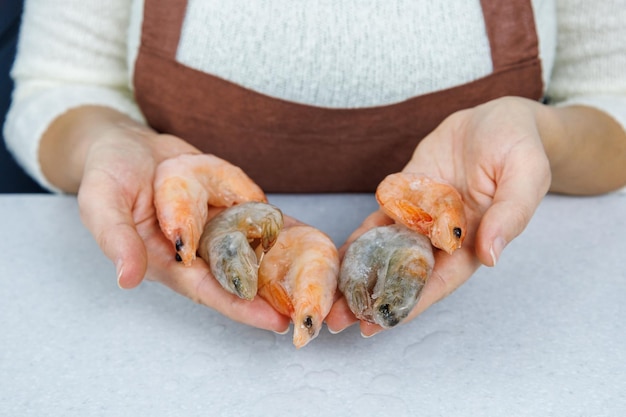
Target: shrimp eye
{"x": 237, "y": 284}
{"x": 389, "y": 317}
{"x": 308, "y": 323}
{"x": 457, "y": 232}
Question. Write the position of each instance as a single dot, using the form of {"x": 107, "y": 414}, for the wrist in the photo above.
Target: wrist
{"x": 552, "y": 133}
{"x": 586, "y": 149}
{"x": 66, "y": 143}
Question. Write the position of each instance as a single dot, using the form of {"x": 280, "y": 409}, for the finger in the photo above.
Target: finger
{"x": 369, "y": 329}
{"x": 197, "y": 283}
{"x": 257, "y": 313}
{"x": 449, "y": 273}
{"x": 340, "y": 316}
{"x": 108, "y": 217}
{"x": 518, "y": 194}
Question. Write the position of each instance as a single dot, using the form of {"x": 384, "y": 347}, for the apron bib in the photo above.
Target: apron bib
{"x": 290, "y": 147}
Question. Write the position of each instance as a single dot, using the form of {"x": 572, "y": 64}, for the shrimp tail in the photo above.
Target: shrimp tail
{"x": 269, "y": 234}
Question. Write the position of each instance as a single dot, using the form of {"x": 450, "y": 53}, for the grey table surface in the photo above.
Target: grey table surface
{"x": 541, "y": 334}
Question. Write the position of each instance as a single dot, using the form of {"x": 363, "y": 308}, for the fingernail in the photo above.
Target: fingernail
{"x": 284, "y": 332}
{"x": 119, "y": 266}
{"x": 365, "y": 336}
{"x": 333, "y": 331}
{"x": 496, "y": 249}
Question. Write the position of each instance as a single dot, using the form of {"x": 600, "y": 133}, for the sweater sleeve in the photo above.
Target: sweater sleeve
{"x": 70, "y": 53}
{"x": 590, "y": 65}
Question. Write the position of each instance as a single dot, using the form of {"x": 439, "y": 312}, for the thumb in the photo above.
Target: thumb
{"x": 518, "y": 194}
{"x": 107, "y": 214}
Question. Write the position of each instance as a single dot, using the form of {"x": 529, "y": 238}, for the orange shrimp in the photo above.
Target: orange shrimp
{"x": 298, "y": 277}
{"x": 185, "y": 186}
{"x": 429, "y": 207}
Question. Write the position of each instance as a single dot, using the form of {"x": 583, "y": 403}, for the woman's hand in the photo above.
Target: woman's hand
{"x": 495, "y": 157}
{"x": 111, "y": 161}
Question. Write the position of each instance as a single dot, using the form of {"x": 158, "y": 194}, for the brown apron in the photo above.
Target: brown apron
{"x": 290, "y": 147}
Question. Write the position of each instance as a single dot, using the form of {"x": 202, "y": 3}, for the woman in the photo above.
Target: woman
{"x": 504, "y": 101}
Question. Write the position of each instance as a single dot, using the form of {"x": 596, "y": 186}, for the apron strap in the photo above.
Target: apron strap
{"x": 515, "y": 41}
{"x": 162, "y": 34}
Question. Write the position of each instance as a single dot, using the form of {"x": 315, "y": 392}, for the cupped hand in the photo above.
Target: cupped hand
{"x": 116, "y": 204}
{"x": 495, "y": 157}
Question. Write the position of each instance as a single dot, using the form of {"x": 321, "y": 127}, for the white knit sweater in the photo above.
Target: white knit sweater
{"x": 349, "y": 53}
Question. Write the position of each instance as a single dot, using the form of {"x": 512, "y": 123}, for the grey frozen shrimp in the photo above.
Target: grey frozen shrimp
{"x": 383, "y": 273}
{"x": 231, "y": 240}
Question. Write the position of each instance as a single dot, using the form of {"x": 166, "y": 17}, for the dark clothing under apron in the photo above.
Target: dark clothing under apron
{"x": 291, "y": 147}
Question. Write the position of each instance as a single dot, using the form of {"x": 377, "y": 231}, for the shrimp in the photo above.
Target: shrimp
{"x": 426, "y": 206}
{"x": 298, "y": 277}
{"x": 185, "y": 186}
{"x": 383, "y": 273}
{"x": 229, "y": 240}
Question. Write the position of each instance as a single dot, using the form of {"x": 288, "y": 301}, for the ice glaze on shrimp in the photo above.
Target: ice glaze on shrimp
{"x": 185, "y": 186}
{"x": 424, "y": 205}
{"x": 229, "y": 240}
{"x": 298, "y": 277}
{"x": 383, "y": 273}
